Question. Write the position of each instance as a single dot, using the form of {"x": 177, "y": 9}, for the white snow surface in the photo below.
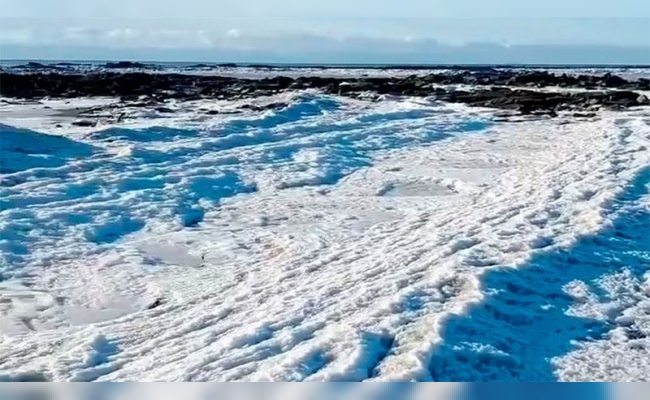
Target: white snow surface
{"x": 330, "y": 240}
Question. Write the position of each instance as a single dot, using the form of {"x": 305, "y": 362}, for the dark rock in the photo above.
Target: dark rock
{"x": 642, "y": 84}
{"x": 499, "y": 89}
{"x": 124, "y": 65}
{"x": 35, "y": 65}
{"x": 613, "y": 81}
{"x": 129, "y": 97}
{"x": 634, "y": 333}
{"x": 263, "y": 67}
{"x": 164, "y": 110}
{"x": 84, "y": 123}
{"x": 270, "y": 106}
{"x": 157, "y": 303}
{"x": 584, "y": 114}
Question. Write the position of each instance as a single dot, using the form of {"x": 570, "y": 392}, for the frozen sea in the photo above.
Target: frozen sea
{"x": 329, "y": 240}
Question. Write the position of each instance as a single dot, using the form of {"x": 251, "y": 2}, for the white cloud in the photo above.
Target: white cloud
{"x": 177, "y": 38}
{"x": 79, "y": 33}
{"x": 130, "y": 36}
{"x": 233, "y": 34}
{"x": 219, "y": 30}
{"x": 123, "y": 34}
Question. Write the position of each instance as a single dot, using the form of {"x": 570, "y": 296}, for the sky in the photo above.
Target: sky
{"x": 335, "y": 31}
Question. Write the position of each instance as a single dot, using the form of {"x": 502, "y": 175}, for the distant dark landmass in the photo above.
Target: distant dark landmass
{"x": 157, "y": 65}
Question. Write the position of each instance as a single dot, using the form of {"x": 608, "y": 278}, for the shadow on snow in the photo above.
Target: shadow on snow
{"x": 522, "y": 323}
{"x": 23, "y": 149}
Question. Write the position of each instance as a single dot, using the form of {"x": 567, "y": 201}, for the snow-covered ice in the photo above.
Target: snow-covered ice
{"x": 333, "y": 239}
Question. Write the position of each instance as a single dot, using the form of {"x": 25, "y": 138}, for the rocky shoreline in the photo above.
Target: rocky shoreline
{"x": 525, "y": 92}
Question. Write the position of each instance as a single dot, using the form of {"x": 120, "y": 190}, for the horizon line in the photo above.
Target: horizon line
{"x": 389, "y": 65}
